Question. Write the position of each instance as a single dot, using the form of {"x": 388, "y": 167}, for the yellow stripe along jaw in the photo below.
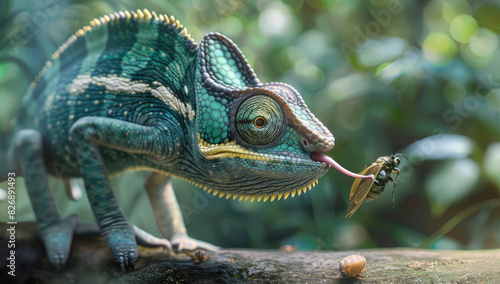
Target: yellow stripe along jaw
{"x": 259, "y": 197}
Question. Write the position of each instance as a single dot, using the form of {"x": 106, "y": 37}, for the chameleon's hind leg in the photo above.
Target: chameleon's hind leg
{"x": 56, "y": 233}
{"x": 168, "y": 214}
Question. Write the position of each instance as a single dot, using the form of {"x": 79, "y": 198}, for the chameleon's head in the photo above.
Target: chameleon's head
{"x": 254, "y": 139}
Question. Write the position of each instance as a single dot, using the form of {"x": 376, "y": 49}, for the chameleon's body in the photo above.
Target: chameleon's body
{"x": 134, "y": 91}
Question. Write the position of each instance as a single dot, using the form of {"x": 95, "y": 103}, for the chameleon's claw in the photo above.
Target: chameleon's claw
{"x": 57, "y": 238}
{"x": 59, "y": 264}
{"x": 122, "y": 263}
{"x": 127, "y": 261}
{"x": 57, "y": 260}
{"x": 123, "y": 246}
{"x": 131, "y": 261}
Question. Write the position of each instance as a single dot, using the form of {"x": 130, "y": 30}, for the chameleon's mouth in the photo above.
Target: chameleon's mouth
{"x": 232, "y": 149}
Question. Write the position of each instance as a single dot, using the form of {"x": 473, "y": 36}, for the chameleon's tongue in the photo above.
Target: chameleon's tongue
{"x": 327, "y": 160}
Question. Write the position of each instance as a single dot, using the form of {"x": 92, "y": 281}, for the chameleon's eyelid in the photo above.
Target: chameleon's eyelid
{"x": 245, "y": 94}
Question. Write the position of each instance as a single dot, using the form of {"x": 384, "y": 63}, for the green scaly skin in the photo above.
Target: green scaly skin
{"x": 133, "y": 91}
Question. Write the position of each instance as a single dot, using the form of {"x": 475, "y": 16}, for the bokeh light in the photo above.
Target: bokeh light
{"x": 493, "y": 99}
{"x": 274, "y": 20}
{"x": 484, "y": 42}
{"x": 462, "y": 28}
{"x": 452, "y": 9}
{"x": 439, "y": 48}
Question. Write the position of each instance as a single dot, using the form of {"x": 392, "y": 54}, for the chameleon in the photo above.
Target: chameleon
{"x": 133, "y": 91}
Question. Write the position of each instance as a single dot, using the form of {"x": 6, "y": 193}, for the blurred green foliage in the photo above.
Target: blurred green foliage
{"x": 377, "y": 73}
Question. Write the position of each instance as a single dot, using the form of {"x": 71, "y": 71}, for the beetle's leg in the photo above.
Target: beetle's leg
{"x": 395, "y": 170}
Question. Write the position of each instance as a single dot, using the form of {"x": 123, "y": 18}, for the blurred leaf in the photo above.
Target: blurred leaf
{"x": 390, "y": 71}
{"x": 450, "y": 182}
{"x": 438, "y": 147}
{"x": 348, "y": 87}
{"x": 382, "y": 49}
{"x": 457, "y": 219}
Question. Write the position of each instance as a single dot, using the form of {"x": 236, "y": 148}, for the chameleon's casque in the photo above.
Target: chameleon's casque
{"x": 133, "y": 91}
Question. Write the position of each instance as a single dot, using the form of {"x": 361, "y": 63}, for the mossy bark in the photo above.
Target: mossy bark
{"x": 91, "y": 262}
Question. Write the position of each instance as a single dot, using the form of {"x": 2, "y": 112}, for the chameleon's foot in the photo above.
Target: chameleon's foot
{"x": 57, "y": 239}
{"x": 123, "y": 247}
{"x": 183, "y": 242}
{"x": 145, "y": 239}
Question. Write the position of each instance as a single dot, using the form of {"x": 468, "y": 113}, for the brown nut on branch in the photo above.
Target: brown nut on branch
{"x": 352, "y": 265}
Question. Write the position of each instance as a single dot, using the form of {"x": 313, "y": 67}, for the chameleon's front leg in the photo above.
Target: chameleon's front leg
{"x": 86, "y": 135}
{"x": 168, "y": 214}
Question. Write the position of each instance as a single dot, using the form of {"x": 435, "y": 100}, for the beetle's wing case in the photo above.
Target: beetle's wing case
{"x": 361, "y": 187}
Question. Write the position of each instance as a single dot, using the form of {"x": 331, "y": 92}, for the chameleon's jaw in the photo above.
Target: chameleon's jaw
{"x": 258, "y": 197}
{"x": 229, "y": 151}
{"x": 235, "y": 162}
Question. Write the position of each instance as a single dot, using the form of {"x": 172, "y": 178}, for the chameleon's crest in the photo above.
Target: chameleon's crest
{"x": 223, "y": 67}
{"x": 116, "y": 18}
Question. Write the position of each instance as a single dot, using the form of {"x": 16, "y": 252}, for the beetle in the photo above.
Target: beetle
{"x": 369, "y": 189}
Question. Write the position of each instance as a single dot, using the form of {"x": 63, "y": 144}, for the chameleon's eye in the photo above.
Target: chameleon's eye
{"x": 259, "y": 120}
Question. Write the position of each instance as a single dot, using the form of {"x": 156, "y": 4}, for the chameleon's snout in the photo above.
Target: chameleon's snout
{"x": 317, "y": 157}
